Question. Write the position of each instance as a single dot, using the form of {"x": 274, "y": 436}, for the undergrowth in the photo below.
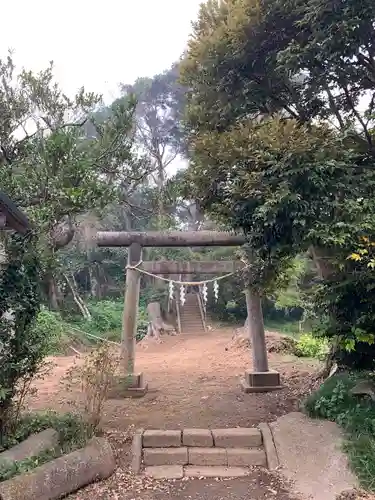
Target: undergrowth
{"x": 73, "y": 434}
{"x": 356, "y": 415}
{"x": 105, "y": 323}
{"x": 309, "y": 346}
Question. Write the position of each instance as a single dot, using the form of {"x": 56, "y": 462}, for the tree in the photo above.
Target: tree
{"x": 281, "y": 117}
{"x": 258, "y": 151}
{"x": 250, "y": 58}
{"x": 158, "y": 123}
{"x": 50, "y": 167}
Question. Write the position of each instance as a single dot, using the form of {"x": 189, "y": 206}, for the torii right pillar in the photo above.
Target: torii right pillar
{"x": 260, "y": 378}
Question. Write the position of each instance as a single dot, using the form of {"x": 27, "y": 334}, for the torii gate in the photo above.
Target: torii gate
{"x": 260, "y": 379}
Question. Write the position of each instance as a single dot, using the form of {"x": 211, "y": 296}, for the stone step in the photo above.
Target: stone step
{"x": 197, "y": 438}
{"x": 232, "y": 457}
{"x": 165, "y": 471}
{"x": 192, "y": 326}
{"x": 173, "y": 454}
{"x": 218, "y": 471}
{"x": 161, "y": 439}
{"x": 237, "y": 437}
{"x": 165, "y": 456}
{"x": 178, "y": 472}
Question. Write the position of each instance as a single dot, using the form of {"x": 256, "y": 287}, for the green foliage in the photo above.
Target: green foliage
{"x": 50, "y": 326}
{"x": 333, "y": 401}
{"x": 52, "y": 167}
{"x": 58, "y": 171}
{"x": 22, "y": 348}
{"x": 73, "y": 434}
{"x": 60, "y": 331}
{"x": 308, "y": 346}
{"x": 346, "y": 308}
{"x": 282, "y": 143}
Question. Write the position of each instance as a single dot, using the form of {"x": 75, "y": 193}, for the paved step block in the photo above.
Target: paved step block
{"x": 165, "y": 456}
{"x": 165, "y": 472}
{"x": 201, "y": 471}
{"x": 245, "y": 457}
{"x": 161, "y": 439}
{"x": 239, "y": 437}
{"x": 197, "y": 437}
{"x": 208, "y": 456}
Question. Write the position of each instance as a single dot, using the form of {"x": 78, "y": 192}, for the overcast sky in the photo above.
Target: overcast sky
{"x": 96, "y": 44}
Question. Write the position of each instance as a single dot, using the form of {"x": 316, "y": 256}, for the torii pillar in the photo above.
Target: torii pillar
{"x": 259, "y": 379}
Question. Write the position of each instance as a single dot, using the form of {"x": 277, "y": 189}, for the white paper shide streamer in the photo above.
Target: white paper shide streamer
{"x": 182, "y": 295}
{"x": 216, "y": 290}
{"x": 171, "y": 290}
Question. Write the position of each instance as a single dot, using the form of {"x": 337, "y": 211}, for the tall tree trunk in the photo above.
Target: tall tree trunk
{"x": 52, "y": 293}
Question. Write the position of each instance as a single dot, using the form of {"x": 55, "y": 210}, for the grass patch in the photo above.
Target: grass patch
{"x": 73, "y": 434}
{"x": 333, "y": 401}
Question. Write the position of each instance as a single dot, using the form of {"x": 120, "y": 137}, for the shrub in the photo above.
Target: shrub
{"x": 309, "y": 346}
{"x": 94, "y": 380}
{"x": 50, "y": 325}
{"x": 22, "y": 348}
{"x": 334, "y": 401}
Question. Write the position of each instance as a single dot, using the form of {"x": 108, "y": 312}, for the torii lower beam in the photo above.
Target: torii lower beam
{"x": 260, "y": 379}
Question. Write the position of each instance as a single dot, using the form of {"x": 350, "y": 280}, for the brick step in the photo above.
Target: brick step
{"x": 214, "y": 456}
{"x": 238, "y": 437}
{"x": 178, "y": 471}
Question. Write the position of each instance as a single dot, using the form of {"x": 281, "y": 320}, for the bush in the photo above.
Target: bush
{"x": 106, "y": 316}
{"x": 51, "y": 326}
{"x": 308, "y": 346}
{"x": 94, "y": 379}
{"x": 23, "y": 349}
{"x": 333, "y": 401}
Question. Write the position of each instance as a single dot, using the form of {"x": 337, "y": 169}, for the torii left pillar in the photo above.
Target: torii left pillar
{"x": 131, "y": 384}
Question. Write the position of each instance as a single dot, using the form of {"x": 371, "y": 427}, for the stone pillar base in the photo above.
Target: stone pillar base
{"x": 261, "y": 381}
{"x": 130, "y": 386}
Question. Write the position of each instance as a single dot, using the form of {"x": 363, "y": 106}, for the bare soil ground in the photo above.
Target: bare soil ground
{"x": 193, "y": 382}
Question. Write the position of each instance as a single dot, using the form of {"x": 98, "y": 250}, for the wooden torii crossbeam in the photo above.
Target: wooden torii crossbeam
{"x": 260, "y": 379}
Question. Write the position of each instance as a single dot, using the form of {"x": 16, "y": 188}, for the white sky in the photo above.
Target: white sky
{"x": 96, "y": 44}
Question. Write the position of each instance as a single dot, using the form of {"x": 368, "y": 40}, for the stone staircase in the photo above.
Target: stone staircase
{"x": 191, "y": 320}
{"x": 174, "y": 454}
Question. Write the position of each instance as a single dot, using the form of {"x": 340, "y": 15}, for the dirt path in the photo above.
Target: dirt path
{"x": 194, "y": 382}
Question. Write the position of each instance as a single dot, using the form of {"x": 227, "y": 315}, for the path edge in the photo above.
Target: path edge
{"x": 273, "y": 462}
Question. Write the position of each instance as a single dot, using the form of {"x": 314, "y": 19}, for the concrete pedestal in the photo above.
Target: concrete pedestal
{"x": 130, "y": 386}
{"x": 261, "y": 381}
